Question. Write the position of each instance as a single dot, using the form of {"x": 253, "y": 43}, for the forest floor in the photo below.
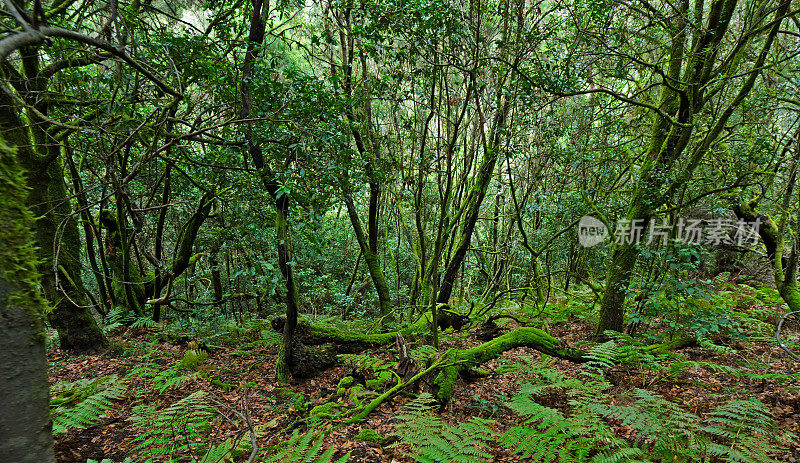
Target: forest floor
{"x": 237, "y": 377}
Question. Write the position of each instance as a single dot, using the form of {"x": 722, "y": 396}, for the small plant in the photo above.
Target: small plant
{"x": 305, "y": 448}
{"x": 176, "y": 431}
{"x": 79, "y": 404}
{"x": 433, "y": 440}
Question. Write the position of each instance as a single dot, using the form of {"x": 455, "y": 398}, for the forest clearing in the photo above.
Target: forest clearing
{"x": 399, "y": 231}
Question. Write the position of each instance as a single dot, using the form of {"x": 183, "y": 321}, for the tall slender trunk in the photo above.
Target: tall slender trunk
{"x": 269, "y": 179}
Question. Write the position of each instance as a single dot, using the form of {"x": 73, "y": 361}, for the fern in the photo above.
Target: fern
{"x": 602, "y": 356}
{"x": 555, "y": 437}
{"x": 365, "y": 362}
{"x": 79, "y": 405}
{"x": 175, "y": 431}
{"x": 162, "y": 380}
{"x": 421, "y": 354}
{"x": 230, "y": 449}
{"x": 741, "y": 431}
{"x": 670, "y": 430}
{"x": 744, "y": 431}
{"x": 144, "y": 322}
{"x": 433, "y": 440}
{"x": 305, "y": 448}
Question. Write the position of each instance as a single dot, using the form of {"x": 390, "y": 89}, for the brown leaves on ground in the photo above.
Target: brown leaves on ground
{"x": 275, "y": 407}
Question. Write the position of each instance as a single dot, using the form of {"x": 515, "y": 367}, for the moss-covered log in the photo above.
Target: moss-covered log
{"x": 458, "y": 361}
{"x": 346, "y": 341}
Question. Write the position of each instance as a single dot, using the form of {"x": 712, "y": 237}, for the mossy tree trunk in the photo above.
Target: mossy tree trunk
{"x": 25, "y": 425}
{"x": 663, "y": 171}
{"x": 784, "y": 271}
{"x": 55, "y": 230}
{"x": 137, "y": 290}
{"x": 491, "y": 141}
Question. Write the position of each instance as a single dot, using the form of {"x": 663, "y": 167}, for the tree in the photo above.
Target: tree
{"x": 25, "y": 426}
{"x": 26, "y": 125}
{"x": 695, "y": 73}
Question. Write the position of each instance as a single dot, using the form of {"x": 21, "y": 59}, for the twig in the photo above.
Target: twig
{"x": 778, "y": 336}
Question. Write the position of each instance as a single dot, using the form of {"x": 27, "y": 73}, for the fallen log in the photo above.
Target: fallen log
{"x": 455, "y": 362}
{"x": 460, "y": 361}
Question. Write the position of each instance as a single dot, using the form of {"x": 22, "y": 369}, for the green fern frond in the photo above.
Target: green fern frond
{"x": 177, "y": 430}
{"x": 433, "y": 440}
{"x": 305, "y": 448}
{"x": 602, "y": 356}
{"x": 744, "y": 431}
{"x": 365, "y": 362}
{"x": 79, "y": 404}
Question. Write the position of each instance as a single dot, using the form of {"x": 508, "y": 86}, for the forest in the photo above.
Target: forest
{"x": 399, "y": 231}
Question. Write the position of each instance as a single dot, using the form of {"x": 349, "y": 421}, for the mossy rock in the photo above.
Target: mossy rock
{"x": 325, "y": 410}
{"x": 369, "y": 435}
{"x": 346, "y": 382}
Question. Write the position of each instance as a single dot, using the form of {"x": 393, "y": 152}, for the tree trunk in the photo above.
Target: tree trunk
{"x": 255, "y": 37}
{"x": 25, "y": 425}
{"x": 56, "y": 235}
{"x": 661, "y": 175}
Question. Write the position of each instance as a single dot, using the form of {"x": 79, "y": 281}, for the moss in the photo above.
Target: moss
{"x": 464, "y": 360}
{"x": 325, "y": 410}
{"x": 18, "y": 261}
{"x": 25, "y": 416}
{"x": 345, "y": 382}
{"x": 384, "y": 378}
{"x": 369, "y": 435}
{"x": 357, "y": 392}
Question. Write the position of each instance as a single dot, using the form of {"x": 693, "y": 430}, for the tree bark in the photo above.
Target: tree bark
{"x": 55, "y": 232}
{"x": 25, "y": 425}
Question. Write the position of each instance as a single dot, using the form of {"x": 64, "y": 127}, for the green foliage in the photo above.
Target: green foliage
{"x": 369, "y": 435}
{"x": 161, "y": 380}
{"x": 433, "y": 440}
{"x": 176, "y": 431}
{"x": 79, "y": 404}
{"x": 366, "y": 362}
{"x": 192, "y": 359}
{"x": 549, "y": 433}
{"x": 738, "y": 431}
{"x": 305, "y": 448}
